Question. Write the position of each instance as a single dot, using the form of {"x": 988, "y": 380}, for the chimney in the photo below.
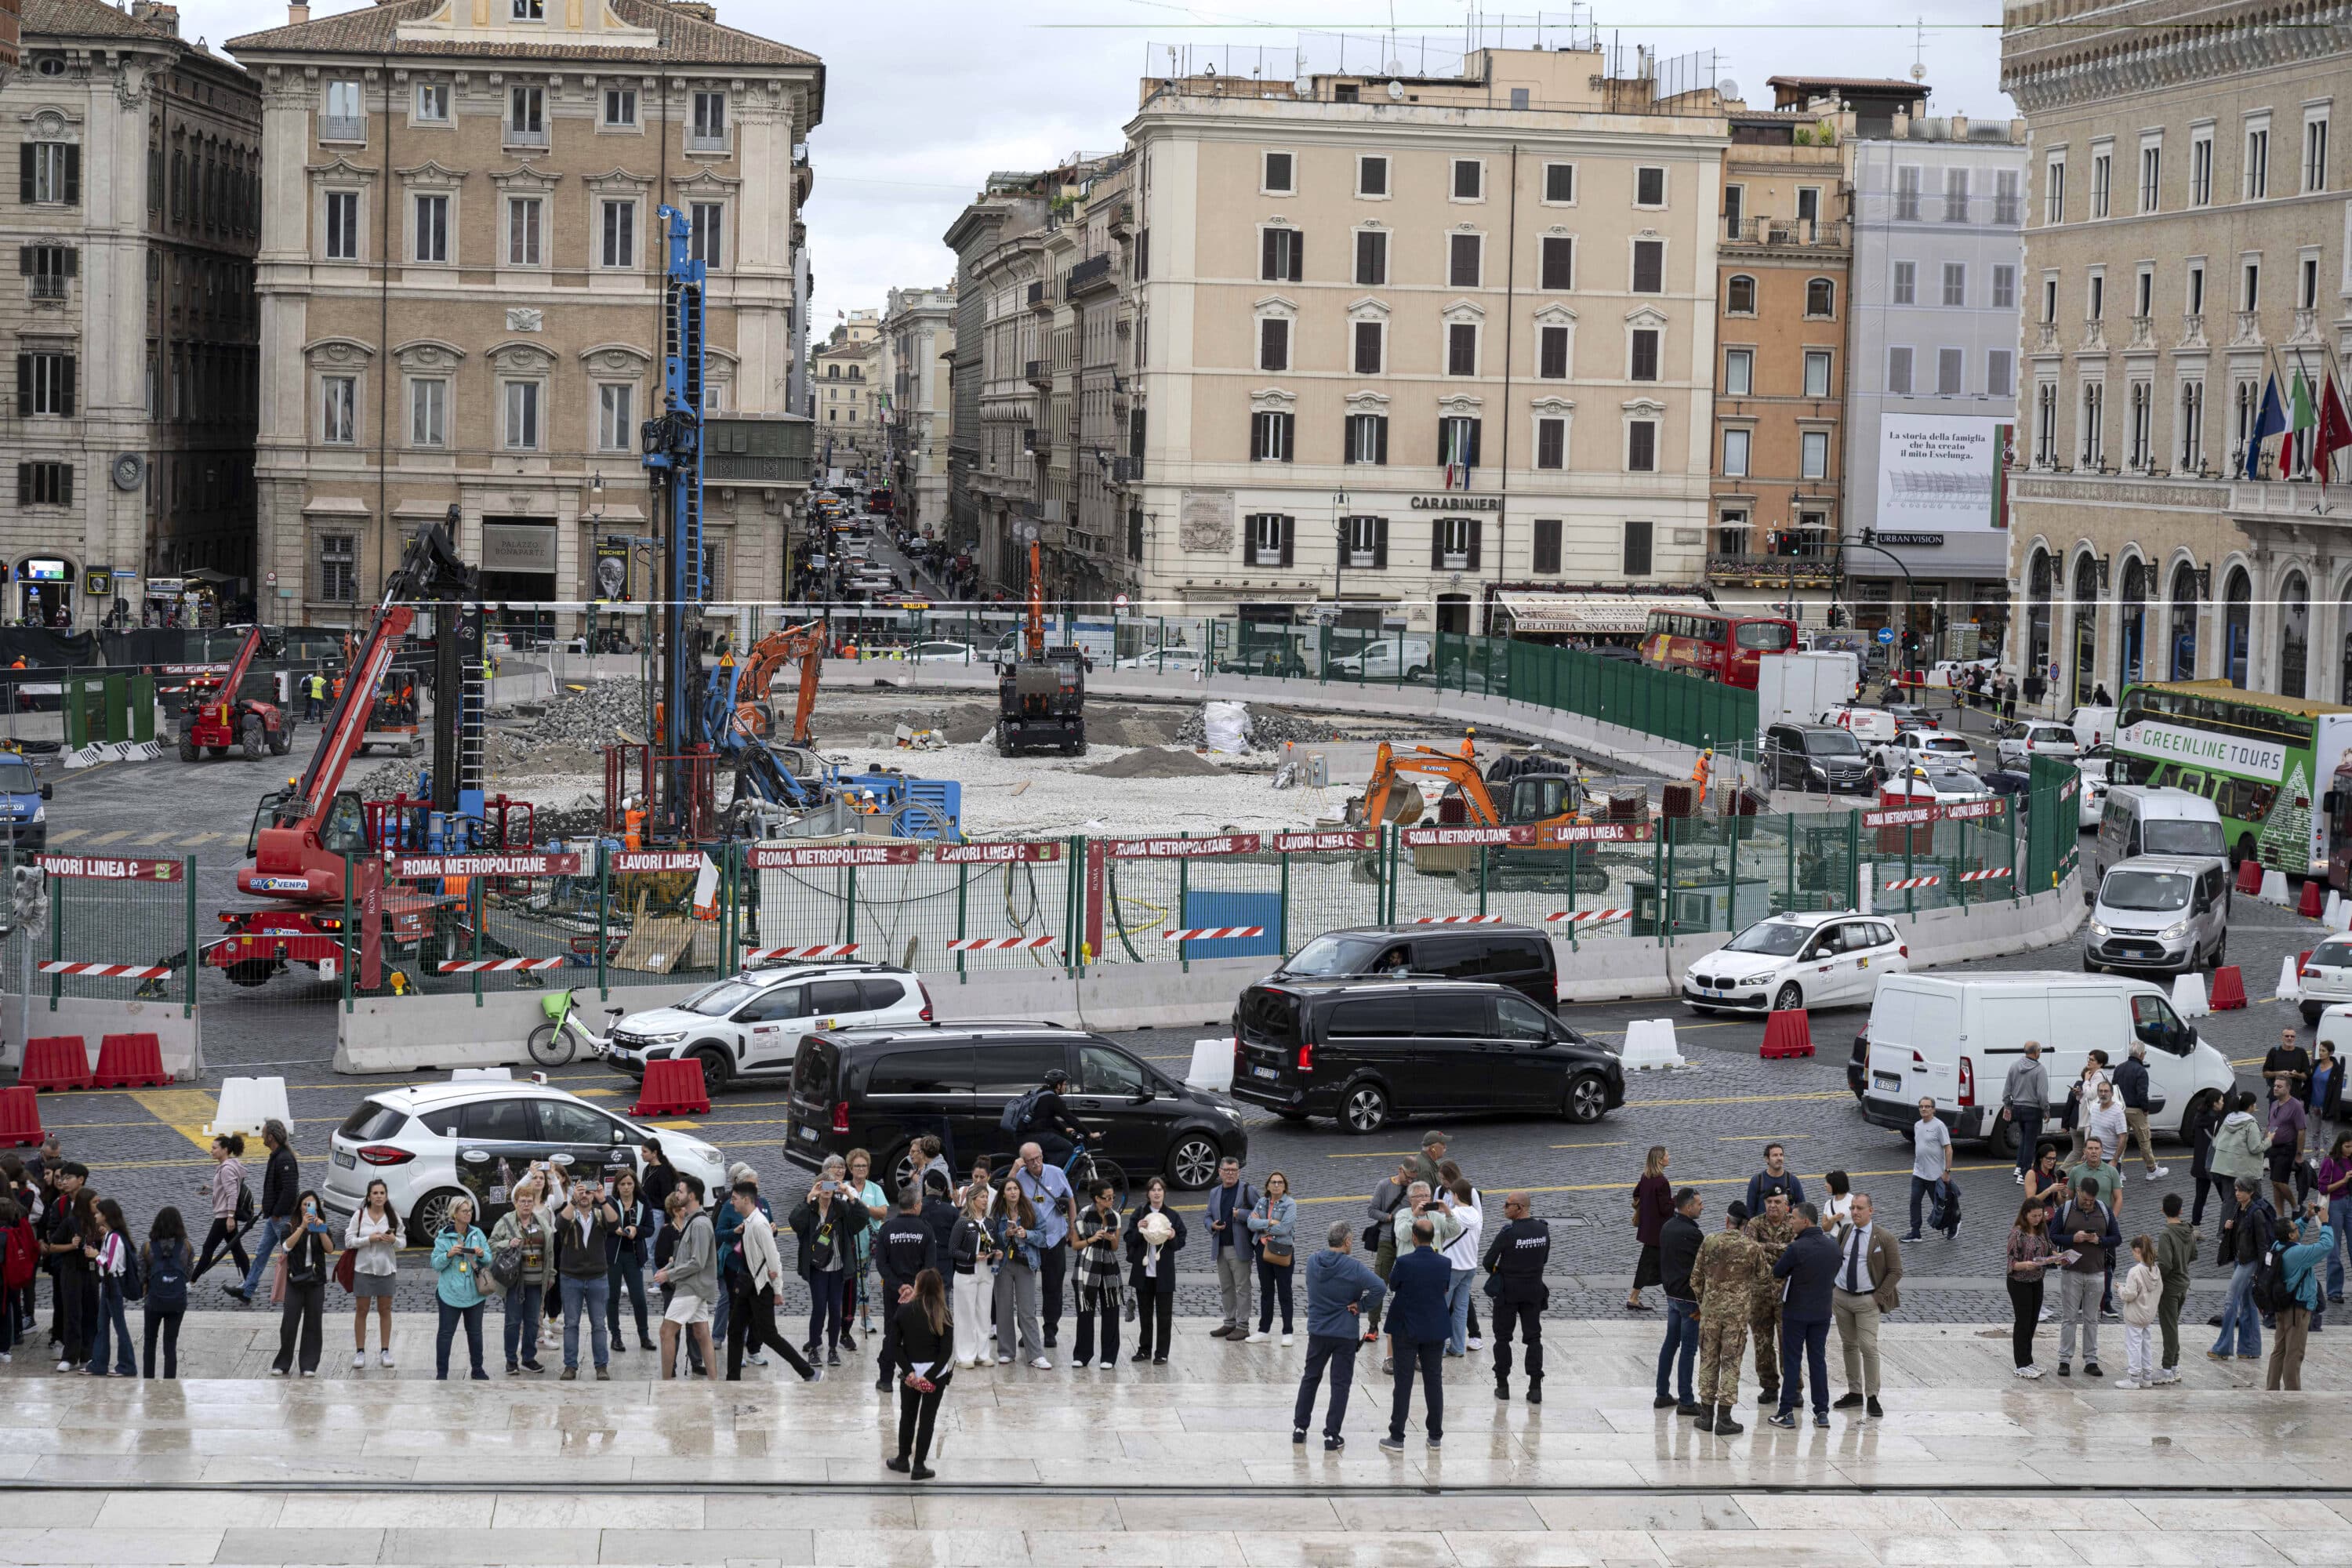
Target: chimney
{"x": 1959, "y": 127}
{"x": 161, "y": 15}
{"x": 298, "y": 12}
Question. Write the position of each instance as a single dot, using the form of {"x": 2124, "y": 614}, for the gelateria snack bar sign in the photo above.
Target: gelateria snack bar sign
{"x": 2202, "y": 749}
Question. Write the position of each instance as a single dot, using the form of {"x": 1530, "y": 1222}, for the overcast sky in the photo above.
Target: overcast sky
{"x": 925, "y": 97}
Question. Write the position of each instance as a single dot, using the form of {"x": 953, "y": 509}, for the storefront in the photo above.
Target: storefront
{"x": 45, "y": 590}
{"x": 518, "y": 569}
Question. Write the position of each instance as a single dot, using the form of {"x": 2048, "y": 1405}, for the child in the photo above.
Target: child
{"x": 2142, "y": 1292}
{"x": 2175, "y": 1250}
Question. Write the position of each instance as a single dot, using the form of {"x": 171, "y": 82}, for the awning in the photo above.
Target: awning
{"x": 1591, "y": 615}
{"x": 1812, "y": 604}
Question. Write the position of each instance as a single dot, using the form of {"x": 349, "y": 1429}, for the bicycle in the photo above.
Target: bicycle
{"x": 1084, "y": 1168}
{"x": 556, "y": 1042}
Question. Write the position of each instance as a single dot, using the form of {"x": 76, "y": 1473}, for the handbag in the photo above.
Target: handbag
{"x": 1276, "y": 1257}
{"x": 347, "y": 1269}
{"x": 278, "y": 1279}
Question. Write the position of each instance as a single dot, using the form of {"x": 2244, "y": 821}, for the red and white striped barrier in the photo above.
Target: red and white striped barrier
{"x": 117, "y": 971}
{"x": 485, "y": 965}
{"x": 818, "y": 950}
{"x": 1581, "y": 917}
{"x": 997, "y": 943}
{"x": 1987, "y": 875}
{"x": 1458, "y": 919}
{"x": 1904, "y": 884}
{"x": 1212, "y": 934}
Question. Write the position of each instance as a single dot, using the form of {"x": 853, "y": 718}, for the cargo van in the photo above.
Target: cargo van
{"x": 2140, "y": 820}
{"x": 1957, "y": 1039}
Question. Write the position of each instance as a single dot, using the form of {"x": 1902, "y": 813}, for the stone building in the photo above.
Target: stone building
{"x": 461, "y": 286}
{"x": 919, "y": 325}
{"x": 847, "y": 382}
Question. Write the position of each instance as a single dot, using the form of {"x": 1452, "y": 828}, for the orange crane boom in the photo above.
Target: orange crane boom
{"x": 1459, "y": 768}
{"x": 769, "y": 654}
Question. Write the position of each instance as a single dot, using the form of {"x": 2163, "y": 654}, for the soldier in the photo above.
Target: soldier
{"x": 1772, "y": 1230}
{"x": 1724, "y": 1279}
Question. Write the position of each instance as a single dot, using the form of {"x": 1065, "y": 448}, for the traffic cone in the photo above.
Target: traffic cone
{"x": 2188, "y": 995}
{"x": 2290, "y": 986}
{"x": 2229, "y": 989}
{"x": 1787, "y": 1033}
{"x": 2314, "y": 899}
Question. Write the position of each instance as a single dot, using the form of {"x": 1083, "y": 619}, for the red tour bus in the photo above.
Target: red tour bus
{"x": 1713, "y": 644}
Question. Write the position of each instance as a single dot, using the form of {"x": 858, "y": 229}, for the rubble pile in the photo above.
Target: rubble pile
{"x": 1268, "y": 729}
{"x": 595, "y": 715}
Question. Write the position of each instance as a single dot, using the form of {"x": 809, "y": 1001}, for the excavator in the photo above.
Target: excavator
{"x": 216, "y": 717}
{"x": 742, "y": 707}
{"x": 1041, "y": 700}
{"x": 1542, "y": 796}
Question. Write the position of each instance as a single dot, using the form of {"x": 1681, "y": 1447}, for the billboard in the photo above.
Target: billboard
{"x": 1942, "y": 473}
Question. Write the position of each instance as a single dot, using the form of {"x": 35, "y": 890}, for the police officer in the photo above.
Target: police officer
{"x": 1729, "y": 1268}
{"x": 1516, "y": 1258}
{"x": 1772, "y": 1230}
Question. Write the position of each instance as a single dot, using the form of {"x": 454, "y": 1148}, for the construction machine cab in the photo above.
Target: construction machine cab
{"x": 1540, "y": 797}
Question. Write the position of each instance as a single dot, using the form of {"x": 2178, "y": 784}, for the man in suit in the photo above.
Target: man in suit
{"x": 1869, "y": 1264}
{"x": 1807, "y": 1269}
{"x": 1418, "y": 1325}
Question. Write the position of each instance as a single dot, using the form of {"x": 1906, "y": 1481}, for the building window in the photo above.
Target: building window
{"x": 1462, "y": 267}
{"x": 1277, "y": 178}
{"x": 1738, "y": 372}
{"x": 2192, "y": 425}
{"x": 2004, "y": 198}
{"x": 707, "y": 241}
{"x": 1735, "y": 454}
{"x": 2250, "y": 288}
{"x": 2053, "y": 191}
{"x": 1641, "y": 447}
{"x": 1272, "y": 343}
{"x": 1367, "y": 357}
{"x": 49, "y": 173}
{"x": 344, "y": 118}
{"x": 1454, "y": 544}
{"x": 1956, "y": 196}
{"x": 1457, "y": 442}
{"x": 617, "y": 425}
{"x": 2095, "y": 308}
{"x": 1365, "y": 542}
{"x": 1950, "y": 367}
{"x": 1281, "y": 255}
{"x": 1469, "y": 180}
{"x": 1649, "y": 188}
{"x": 1906, "y": 193}
{"x": 1821, "y": 298}
{"x": 1906, "y": 282}
{"x": 1650, "y": 267}
{"x": 47, "y": 269}
{"x": 2200, "y": 170}
{"x": 2258, "y": 162}
{"x": 621, "y": 108}
{"x": 620, "y": 249}
{"x": 1371, "y": 176}
{"x": 1898, "y": 371}
{"x": 527, "y": 117}
{"x": 1643, "y": 355}
{"x": 2095, "y": 443}
{"x": 1637, "y": 548}
{"x": 432, "y": 102}
{"x": 1817, "y": 374}
{"x": 2005, "y": 286}
{"x": 339, "y": 410}
{"x": 709, "y": 127}
{"x": 1956, "y": 285}
{"x": 1999, "y": 370}
{"x": 1551, "y": 443}
{"x": 530, "y": 10}
{"x": 1372, "y": 257}
{"x": 1270, "y": 536}
{"x": 1558, "y": 270}
{"x": 45, "y": 484}
{"x": 523, "y": 218}
{"x": 1739, "y": 296}
{"x": 2050, "y": 300}
{"x": 1270, "y": 438}
{"x": 2102, "y": 178}
{"x": 432, "y": 228}
{"x": 2151, "y": 176}
{"x": 339, "y": 568}
{"x": 428, "y": 413}
{"x": 522, "y": 416}
{"x": 2143, "y": 424}
{"x": 1551, "y": 353}
{"x": 1460, "y": 348}
{"x": 1559, "y": 184}
{"x": 2143, "y": 293}
{"x": 1814, "y": 453}
{"x": 2314, "y": 154}
{"x": 2307, "y": 292}
{"x": 2045, "y": 427}
{"x": 1368, "y": 438}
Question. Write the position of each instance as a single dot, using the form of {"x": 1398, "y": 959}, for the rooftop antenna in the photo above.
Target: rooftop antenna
{"x": 1919, "y": 50}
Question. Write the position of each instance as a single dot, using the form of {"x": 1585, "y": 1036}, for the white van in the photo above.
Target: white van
{"x": 1384, "y": 659}
{"x": 2140, "y": 820}
{"x": 1957, "y": 1039}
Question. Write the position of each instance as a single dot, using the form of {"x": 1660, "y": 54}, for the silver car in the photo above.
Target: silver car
{"x": 2162, "y": 912}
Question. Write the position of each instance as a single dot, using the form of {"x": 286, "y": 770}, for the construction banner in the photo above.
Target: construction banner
{"x": 111, "y": 870}
{"x": 838, "y": 855}
{"x": 1025, "y": 853}
{"x": 1179, "y": 848}
{"x": 408, "y": 868}
{"x": 1311, "y": 843}
{"x": 1522, "y": 833}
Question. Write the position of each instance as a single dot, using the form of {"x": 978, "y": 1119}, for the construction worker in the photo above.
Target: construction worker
{"x": 314, "y": 692}
{"x": 339, "y": 689}
{"x": 633, "y": 825}
{"x": 1701, "y": 768}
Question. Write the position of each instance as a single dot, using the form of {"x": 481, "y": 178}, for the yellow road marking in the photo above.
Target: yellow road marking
{"x": 110, "y": 837}
{"x": 68, "y": 833}
{"x": 1613, "y": 1143}
{"x": 155, "y": 838}
{"x": 675, "y": 1126}
{"x": 185, "y": 1111}
{"x": 594, "y": 1093}
{"x": 1762, "y": 1137}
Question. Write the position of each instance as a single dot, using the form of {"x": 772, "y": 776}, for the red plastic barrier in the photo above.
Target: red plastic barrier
{"x": 1787, "y": 1033}
{"x": 2315, "y": 898}
{"x": 55, "y": 1062}
{"x": 670, "y": 1088}
{"x": 20, "y": 1118}
{"x": 2229, "y": 988}
{"x": 131, "y": 1061}
{"x": 2250, "y": 876}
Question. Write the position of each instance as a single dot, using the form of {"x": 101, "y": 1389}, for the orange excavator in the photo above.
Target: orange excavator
{"x": 749, "y": 698}
{"x": 1545, "y": 797}
{"x": 1383, "y": 802}
{"x": 1041, "y": 700}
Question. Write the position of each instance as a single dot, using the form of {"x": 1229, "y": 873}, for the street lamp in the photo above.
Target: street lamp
{"x": 1338, "y": 543}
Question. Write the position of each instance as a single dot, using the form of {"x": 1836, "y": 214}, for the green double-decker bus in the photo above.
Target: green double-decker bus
{"x": 2267, "y": 762}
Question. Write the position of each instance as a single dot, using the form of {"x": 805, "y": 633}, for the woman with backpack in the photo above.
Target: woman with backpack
{"x": 169, "y": 1264}
{"x": 373, "y": 1238}
{"x": 118, "y": 1278}
{"x": 231, "y": 1206}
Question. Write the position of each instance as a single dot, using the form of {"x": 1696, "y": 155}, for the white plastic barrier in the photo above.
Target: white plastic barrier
{"x": 1212, "y": 1066}
{"x": 2188, "y": 997}
{"x": 1650, "y": 1043}
{"x": 469, "y": 1075}
{"x": 2327, "y": 915}
{"x": 247, "y": 1103}
{"x": 2290, "y": 986}
{"x": 2339, "y": 918}
{"x": 2274, "y": 887}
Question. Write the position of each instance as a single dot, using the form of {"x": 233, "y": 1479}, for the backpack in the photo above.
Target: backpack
{"x": 134, "y": 1281}
{"x": 1020, "y": 1112}
{"x": 19, "y": 1257}
{"x": 243, "y": 1218}
{"x": 167, "y": 1278}
{"x": 819, "y": 1249}
{"x": 2269, "y": 1286}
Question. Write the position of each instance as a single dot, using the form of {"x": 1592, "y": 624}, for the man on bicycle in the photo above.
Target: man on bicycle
{"x": 1051, "y": 1126}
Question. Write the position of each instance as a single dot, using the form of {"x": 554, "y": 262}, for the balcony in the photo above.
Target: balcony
{"x": 696, "y": 141}
{"x": 1122, "y": 220}
{"x": 1037, "y": 301}
{"x": 2046, "y": 337}
{"x": 342, "y": 128}
{"x": 2143, "y": 332}
{"x": 1813, "y": 568}
{"x": 48, "y": 286}
{"x": 1039, "y": 374}
{"x": 2094, "y": 335}
{"x": 1786, "y": 234}
{"x": 2192, "y": 331}
{"x": 1091, "y": 274}
{"x": 2246, "y": 328}
{"x": 2305, "y": 328}
{"x": 526, "y": 136}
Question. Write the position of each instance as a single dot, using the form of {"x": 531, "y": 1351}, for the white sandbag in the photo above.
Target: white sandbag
{"x": 2188, "y": 997}
{"x": 1228, "y": 727}
{"x": 1212, "y": 1066}
{"x": 1650, "y": 1043}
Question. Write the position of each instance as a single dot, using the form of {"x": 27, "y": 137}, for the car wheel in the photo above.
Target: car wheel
{"x": 1364, "y": 1108}
{"x": 1588, "y": 1098}
{"x": 1192, "y": 1164}
{"x": 2089, "y": 967}
{"x": 2220, "y": 952}
{"x": 2311, "y": 1011}
{"x": 1790, "y": 998}
{"x": 2003, "y": 1141}
{"x": 900, "y": 1164}
{"x": 716, "y": 1070}
{"x": 431, "y": 1217}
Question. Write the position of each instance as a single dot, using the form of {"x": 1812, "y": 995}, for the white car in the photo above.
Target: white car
{"x": 2092, "y": 765}
{"x": 430, "y": 1143}
{"x": 1384, "y": 659}
{"x": 1798, "y": 961}
{"x": 946, "y": 653}
{"x": 2022, "y": 739}
{"x": 1182, "y": 660}
{"x": 1953, "y": 672}
{"x": 2326, "y": 984}
{"x": 1915, "y": 747}
{"x": 1940, "y": 781}
{"x": 751, "y": 1026}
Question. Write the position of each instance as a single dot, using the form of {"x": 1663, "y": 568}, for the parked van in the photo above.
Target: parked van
{"x": 1517, "y": 956}
{"x": 1385, "y": 659}
{"x": 2142, "y": 820}
{"x": 1957, "y": 1039}
{"x": 2165, "y": 913}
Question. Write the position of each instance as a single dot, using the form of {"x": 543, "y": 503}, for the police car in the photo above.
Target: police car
{"x": 750, "y": 1026}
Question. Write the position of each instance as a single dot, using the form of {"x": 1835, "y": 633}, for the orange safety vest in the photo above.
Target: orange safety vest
{"x": 635, "y": 825}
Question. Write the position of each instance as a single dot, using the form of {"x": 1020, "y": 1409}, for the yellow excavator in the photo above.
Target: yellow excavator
{"x": 1542, "y": 795}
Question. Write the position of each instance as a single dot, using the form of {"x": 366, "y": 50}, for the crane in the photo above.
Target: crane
{"x": 672, "y": 456}
{"x": 217, "y": 718}
{"x": 742, "y": 709}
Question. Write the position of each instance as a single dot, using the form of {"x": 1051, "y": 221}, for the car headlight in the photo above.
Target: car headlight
{"x": 1231, "y": 1113}
{"x": 2097, "y": 929}
{"x": 1817, "y": 769}
{"x": 2174, "y": 931}
{"x": 669, "y": 1039}
{"x": 40, "y": 814}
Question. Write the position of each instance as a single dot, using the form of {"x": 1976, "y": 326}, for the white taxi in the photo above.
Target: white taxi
{"x": 2327, "y": 981}
{"x": 1798, "y": 961}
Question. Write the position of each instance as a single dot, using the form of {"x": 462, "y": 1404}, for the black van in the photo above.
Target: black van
{"x": 883, "y": 1086}
{"x": 1514, "y": 955}
{"x": 1369, "y": 1051}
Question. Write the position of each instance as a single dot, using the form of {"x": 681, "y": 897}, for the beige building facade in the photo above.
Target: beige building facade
{"x": 1404, "y": 346}
{"x": 919, "y": 326}
{"x": 2187, "y": 221}
{"x": 848, "y": 385}
{"x": 461, "y": 286}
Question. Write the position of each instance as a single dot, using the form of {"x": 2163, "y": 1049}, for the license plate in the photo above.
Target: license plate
{"x": 1888, "y": 1081}
{"x": 807, "y": 1134}
{"x": 347, "y": 1160}
{"x": 1263, "y": 1072}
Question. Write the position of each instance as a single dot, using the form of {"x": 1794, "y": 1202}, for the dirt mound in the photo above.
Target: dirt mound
{"x": 1154, "y": 762}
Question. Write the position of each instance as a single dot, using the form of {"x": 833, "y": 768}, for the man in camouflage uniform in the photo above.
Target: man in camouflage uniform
{"x": 1724, "y": 1277}
{"x": 1772, "y": 1230}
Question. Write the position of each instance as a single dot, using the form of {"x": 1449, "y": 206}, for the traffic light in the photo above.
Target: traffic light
{"x": 1837, "y": 618}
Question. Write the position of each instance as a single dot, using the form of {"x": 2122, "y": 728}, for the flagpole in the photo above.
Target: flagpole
{"x": 2278, "y": 379}
{"x": 2334, "y": 373}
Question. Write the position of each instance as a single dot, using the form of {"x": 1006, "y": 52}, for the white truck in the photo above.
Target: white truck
{"x": 1798, "y": 688}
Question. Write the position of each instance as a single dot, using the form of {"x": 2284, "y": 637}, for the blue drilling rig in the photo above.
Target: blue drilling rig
{"x": 673, "y": 454}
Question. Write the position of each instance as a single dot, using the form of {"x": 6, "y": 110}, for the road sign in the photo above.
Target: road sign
{"x": 1887, "y": 633}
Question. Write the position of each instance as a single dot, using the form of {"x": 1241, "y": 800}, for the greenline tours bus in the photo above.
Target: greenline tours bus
{"x": 2275, "y": 767}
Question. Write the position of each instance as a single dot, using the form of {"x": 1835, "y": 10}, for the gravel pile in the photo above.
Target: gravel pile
{"x": 596, "y": 715}
{"x": 1154, "y": 762}
{"x": 1268, "y": 729}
